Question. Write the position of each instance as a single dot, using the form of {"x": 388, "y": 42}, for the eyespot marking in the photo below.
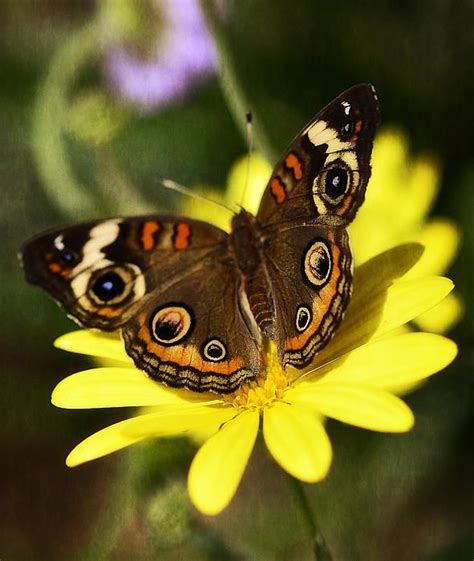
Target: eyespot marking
{"x": 214, "y": 350}
{"x": 318, "y": 263}
{"x": 348, "y": 128}
{"x": 293, "y": 163}
{"x": 170, "y": 324}
{"x": 303, "y": 318}
{"x": 61, "y": 260}
{"x": 336, "y": 181}
{"x": 278, "y": 190}
{"x": 108, "y": 286}
{"x": 333, "y": 185}
{"x": 67, "y": 257}
{"x": 148, "y": 234}
{"x": 182, "y": 235}
{"x": 111, "y": 286}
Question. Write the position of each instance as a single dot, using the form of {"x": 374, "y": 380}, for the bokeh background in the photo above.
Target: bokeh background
{"x": 98, "y": 102}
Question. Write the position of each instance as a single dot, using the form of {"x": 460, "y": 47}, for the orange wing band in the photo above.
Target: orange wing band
{"x": 182, "y": 236}
{"x": 148, "y": 235}
{"x": 277, "y": 189}
{"x": 294, "y": 163}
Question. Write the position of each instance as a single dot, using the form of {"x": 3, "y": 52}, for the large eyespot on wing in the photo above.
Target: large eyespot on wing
{"x": 324, "y": 172}
{"x": 99, "y": 271}
{"x": 75, "y": 267}
{"x": 194, "y": 334}
{"x": 310, "y": 271}
{"x": 346, "y": 128}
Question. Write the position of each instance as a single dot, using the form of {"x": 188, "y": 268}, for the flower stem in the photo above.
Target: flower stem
{"x": 238, "y": 102}
{"x": 320, "y": 548}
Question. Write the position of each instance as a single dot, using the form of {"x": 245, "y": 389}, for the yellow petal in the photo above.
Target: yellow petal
{"x": 370, "y": 236}
{"x": 390, "y": 153}
{"x": 166, "y": 423}
{"x": 298, "y": 441}
{"x": 440, "y": 239}
{"x": 443, "y": 317}
{"x": 205, "y": 209}
{"x": 389, "y": 363}
{"x": 219, "y": 464}
{"x": 389, "y": 169}
{"x": 94, "y": 343}
{"x": 119, "y": 387}
{"x": 384, "y": 269}
{"x": 422, "y": 188}
{"x": 402, "y": 304}
{"x": 364, "y": 407}
{"x": 384, "y": 310}
{"x": 395, "y": 177}
{"x": 376, "y": 227}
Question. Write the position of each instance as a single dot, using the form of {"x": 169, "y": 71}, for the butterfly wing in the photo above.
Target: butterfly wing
{"x": 310, "y": 270}
{"x": 99, "y": 271}
{"x": 196, "y": 333}
{"x": 324, "y": 172}
{"x": 167, "y": 282}
{"x": 313, "y": 193}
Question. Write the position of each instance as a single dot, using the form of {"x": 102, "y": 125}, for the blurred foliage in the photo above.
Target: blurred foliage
{"x": 72, "y": 149}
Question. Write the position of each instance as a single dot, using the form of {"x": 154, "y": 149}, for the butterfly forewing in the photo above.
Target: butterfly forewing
{"x": 100, "y": 271}
{"x": 324, "y": 172}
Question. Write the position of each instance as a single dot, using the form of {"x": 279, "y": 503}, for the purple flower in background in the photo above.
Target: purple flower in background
{"x": 182, "y": 56}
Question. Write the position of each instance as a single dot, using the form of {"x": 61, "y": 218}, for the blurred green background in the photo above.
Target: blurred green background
{"x": 75, "y": 146}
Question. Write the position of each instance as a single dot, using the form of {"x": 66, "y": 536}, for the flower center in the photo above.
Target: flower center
{"x": 269, "y": 386}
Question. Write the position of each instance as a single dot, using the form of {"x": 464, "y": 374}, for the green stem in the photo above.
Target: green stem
{"x": 49, "y": 149}
{"x": 320, "y": 548}
{"x": 237, "y": 101}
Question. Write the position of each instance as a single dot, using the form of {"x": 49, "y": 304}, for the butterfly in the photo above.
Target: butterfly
{"x": 191, "y": 301}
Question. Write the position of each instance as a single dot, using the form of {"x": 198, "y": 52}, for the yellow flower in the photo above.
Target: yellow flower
{"x": 354, "y": 379}
{"x": 401, "y": 193}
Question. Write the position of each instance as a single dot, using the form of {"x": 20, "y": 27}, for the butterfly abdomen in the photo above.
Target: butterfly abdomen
{"x": 247, "y": 249}
{"x": 259, "y": 299}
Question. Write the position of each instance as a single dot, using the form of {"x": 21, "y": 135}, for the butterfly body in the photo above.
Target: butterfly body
{"x": 192, "y": 301}
{"x": 248, "y": 245}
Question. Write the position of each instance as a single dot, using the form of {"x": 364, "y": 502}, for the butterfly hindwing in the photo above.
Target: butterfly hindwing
{"x": 196, "y": 332}
{"x": 310, "y": 271}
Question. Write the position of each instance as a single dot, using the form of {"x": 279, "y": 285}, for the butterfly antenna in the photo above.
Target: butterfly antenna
{"x": 249, "y": 120}
{"x": 178, "y": 188}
